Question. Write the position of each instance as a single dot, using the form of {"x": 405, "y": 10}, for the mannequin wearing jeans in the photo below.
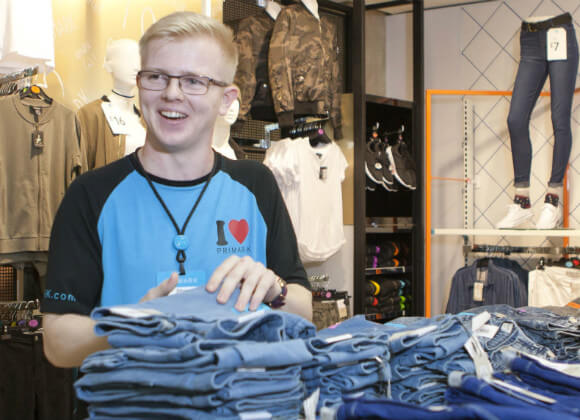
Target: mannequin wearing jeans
{"x": 535, "y": 66}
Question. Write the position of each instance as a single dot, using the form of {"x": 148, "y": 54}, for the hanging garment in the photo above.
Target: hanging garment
{"x": 38, "y": 161}
{"x": 102, "y": 146}
{"x": 253, "y": 39}
{"x": 311, "y": 183}
{"x": 303, "y": 67}
{"x": 478, "y": 285}
{"x": 553, "y": 286}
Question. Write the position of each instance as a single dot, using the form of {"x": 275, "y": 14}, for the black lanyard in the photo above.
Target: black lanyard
{"x": 180, "y": 241}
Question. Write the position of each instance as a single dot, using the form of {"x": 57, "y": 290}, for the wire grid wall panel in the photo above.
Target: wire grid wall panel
{"x": 490, "y": 56}
{"x": 7, "y": 283}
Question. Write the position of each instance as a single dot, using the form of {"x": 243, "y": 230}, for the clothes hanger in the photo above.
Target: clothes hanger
{"x": 35, "y": 92}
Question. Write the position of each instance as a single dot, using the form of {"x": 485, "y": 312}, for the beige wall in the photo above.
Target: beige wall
{"x": 82, "y": 29}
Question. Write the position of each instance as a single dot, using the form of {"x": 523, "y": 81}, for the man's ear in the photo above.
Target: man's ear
{"x": 230, "y": 94}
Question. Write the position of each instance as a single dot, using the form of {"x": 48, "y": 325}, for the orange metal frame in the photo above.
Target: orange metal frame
{"x": 429, "y": 93}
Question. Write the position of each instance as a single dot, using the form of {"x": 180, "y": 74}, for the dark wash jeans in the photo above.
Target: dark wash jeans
{"x": 532, "y": 73}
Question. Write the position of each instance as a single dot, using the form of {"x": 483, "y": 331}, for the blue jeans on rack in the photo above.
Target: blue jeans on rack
{"x": 533, "y": 71}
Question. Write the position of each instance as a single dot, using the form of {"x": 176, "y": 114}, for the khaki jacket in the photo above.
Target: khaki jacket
{"x": 33, "y": 179}
{"x": 102, "y": 146}
{"x": 303, "y": 67}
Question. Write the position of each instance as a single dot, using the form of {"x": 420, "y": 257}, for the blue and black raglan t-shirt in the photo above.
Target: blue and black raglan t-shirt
{"x": 112, "y": 240}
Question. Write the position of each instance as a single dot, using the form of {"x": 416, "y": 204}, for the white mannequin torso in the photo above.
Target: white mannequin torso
{"x": 221, "y": 131}
{"x": 124, "y": 109}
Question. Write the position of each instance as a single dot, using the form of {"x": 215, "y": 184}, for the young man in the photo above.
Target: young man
{"x": 124, "y": 232}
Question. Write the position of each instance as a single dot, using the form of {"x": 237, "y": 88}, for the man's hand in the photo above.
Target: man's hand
{"x": 162, "y": 289}
{"x": 257, "y": 283}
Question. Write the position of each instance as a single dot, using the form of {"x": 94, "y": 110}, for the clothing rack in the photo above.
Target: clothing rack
{"x": 9, "y": 83}
{"x": 509, "y": 249}
{"x": 21, "y": 316}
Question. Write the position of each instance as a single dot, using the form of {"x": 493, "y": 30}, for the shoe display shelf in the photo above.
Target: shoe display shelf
{"x": 390, "y": 233}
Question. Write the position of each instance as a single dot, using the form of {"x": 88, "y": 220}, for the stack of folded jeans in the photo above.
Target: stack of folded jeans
{"x": 186, "y": 356}
{"x": 424, "y": 353}
{"x": 349, "y": 358}
{"x": 559, "y": 334}
{"x": 533, "y": 384}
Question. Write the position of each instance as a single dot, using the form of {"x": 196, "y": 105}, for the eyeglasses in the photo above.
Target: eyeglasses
{"x": 190, "y": 84}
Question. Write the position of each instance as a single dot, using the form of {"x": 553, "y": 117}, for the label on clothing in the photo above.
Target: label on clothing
{"x": 487, "y": 331}
{"x": 507, "y": 327}
{"x": 193, "y": 278}
{"x": 572, "y": 369}
{"x": 483, "y": 368}
{"x": 115, "y": 119}
{"x": 338, "y": 338}
{"x": 556, "y": 44}
{"x": 478, "y": 291}
{"x": 342, "y": 310}
{"x": 133, "y": 313}
{"x": 480, "y": 320}
{"x": 255, "y": 415}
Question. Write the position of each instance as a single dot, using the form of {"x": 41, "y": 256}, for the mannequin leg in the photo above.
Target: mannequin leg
{"x": 531, "y": 76}
{"x": 562, "y": 83}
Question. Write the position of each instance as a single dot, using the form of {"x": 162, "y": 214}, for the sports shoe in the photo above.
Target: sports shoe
{"x": 374, "y": 161}
{"x": 550, "y": 218}
{"x": 515, "y": 217}
{"x": 403, "y": 165}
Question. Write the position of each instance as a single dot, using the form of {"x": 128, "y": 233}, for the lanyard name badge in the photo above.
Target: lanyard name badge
{"x": 556, "y": 44}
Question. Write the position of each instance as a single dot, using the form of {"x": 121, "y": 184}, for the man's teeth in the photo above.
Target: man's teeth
{"x": 172, "y": 114}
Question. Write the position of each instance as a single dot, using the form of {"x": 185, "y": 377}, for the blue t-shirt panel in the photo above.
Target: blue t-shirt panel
{"x": 133, "y": 224}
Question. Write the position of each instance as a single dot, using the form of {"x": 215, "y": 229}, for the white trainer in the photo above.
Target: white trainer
{"x": 550, "y": 218}
{"x": 515, "y": 217}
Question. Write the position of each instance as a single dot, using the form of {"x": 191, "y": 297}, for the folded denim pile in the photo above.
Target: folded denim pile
{"x": 530, "y": 384}
{"x": 423, "y": 353}
{"x": 349, "y": 358}
{"x": 559, "y": 335}
{"x": 168, "y": 361}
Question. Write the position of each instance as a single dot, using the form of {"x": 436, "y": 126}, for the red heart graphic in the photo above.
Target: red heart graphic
{"x": 239, "y": 228}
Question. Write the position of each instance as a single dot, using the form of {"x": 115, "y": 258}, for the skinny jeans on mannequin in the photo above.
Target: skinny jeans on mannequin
{"x": 533, "y": 70}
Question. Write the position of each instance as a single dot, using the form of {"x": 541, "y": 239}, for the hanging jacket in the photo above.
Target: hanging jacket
{"x": 253, "y": 40}
{"x": 303, "y": 67}
{"x": 102, "y": 146}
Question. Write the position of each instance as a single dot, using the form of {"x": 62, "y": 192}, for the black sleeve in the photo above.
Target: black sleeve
{"x": 75, "y": 274}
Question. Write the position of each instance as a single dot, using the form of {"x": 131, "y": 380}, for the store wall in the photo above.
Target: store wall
{"x": 82, "y": 30}
{"x": 476, "y": 47}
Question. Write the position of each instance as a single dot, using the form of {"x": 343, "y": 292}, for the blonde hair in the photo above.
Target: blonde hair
{"x": 191, "y": 24}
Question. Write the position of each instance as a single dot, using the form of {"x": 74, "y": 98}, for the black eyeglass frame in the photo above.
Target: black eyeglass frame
{"x": 210, "y": 81}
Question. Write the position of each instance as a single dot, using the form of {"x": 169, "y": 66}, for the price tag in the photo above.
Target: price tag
{"x": 477, "y": 291}
{"x": 556, "y": 44}
{"x": 116, "y": 120}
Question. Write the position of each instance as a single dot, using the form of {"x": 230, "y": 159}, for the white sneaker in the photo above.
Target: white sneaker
{"x": 515, "y": 217}
{"x": 550, "y": 218}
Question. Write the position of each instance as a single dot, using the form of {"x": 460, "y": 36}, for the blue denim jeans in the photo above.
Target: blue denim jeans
{"x": 509, "y": 337}
{"x": 201, "y": 356}
{"x": 471, "y": 389}
{"x": 198, "y": 313}
{"x": 427, "y": 389}
{"x": 363, "y": 408}
{"x": 536, "y": 374}
{"x": 533, "y": 71}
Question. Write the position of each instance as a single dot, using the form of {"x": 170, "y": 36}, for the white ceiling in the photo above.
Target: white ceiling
{"x": 393, "y": 7}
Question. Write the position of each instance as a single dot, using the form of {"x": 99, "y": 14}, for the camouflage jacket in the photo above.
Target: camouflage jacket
{"x": 253, "y": 38}
{"x": 303, "y": 67}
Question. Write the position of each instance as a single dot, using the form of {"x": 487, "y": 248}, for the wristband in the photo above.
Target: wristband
{"x": 280, "y": 300}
